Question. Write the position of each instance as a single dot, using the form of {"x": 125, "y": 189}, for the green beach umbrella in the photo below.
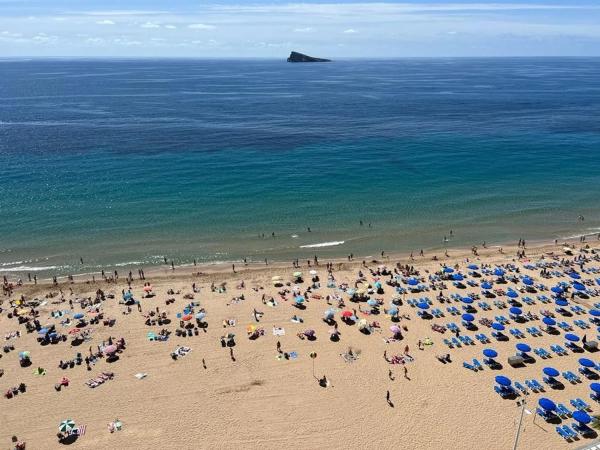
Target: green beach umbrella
{"x": 66, "y": 426}
{"x": 297, "y": 274}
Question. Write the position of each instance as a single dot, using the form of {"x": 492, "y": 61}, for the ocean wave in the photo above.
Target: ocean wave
{"x": 31, "y": 268}
{"x": 323, "y": 244}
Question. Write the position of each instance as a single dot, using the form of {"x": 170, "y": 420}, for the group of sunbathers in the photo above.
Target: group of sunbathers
{"x": 100, "y": 379}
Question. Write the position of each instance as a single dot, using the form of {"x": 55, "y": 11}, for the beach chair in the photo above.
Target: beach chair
{"x": 456, "y": 342}
{"x": 562, "y": 411}
{"x": 530, "y": 385}
{"x": 538, "y": 352}
{"x": 448, "y": 343}
{"x": 571, "y": 377}
{"x": 537, "y": 385}
{"x": 594, "y": 396}
{"x": 579, "y": 404}
{"x": 582, "y": 429}
{"x": 537, "y": 331}
{"x": 485, "y": 338}
{"x": 528, "y": 301}
{"x": 521, "y": 388}
{"x": 469, "y": 366}
{"x": 477, "y": 364}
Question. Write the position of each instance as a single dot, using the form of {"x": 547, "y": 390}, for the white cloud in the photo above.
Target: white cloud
{"x": 303, "y": 30}
{"x": 94, "y": 41}
{"x": 350, "y": 31}
{"x": 11, "y": 34}
{"x": 150, "y": 25}
{"x": 105, "y": 22}
{"x": 170, "y": 27}
{"x": 201, "y": 26}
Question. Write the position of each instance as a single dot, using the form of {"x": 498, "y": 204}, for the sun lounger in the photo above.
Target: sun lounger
{"x": 477, "y": 364}
{"x": 469, "y": 366}
{"x": 571, "y": 377}
{"x": 456, "y": 342}
{"x": 521, "y": 388}
{"x": 579, "y": 404}
{"x": 448, "y": 343}
{"x": 562, "y": 411}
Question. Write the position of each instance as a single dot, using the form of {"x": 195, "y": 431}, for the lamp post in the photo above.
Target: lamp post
{"x": 523, "y": 402}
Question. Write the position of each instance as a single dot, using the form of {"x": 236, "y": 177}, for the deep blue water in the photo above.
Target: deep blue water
{"x": 127, "y": 161}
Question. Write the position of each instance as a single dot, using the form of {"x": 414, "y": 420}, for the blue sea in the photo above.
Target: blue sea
{"x": 123, "y": 162}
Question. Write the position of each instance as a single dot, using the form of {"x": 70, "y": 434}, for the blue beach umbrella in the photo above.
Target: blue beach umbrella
{"x": 512, "y": 294}
{"x": 581, "y": 417}
{"x": 468, "y": 317}
{"x": 78, "y": 316}
{"x": 486, "y": 285}
{"x": 579, "y": 287}
{"x": 393, "y": 311}
{"x": 575, "y": 275}
{"x": 595, "y": 387}
{"x": 372, "y": 302}
{"x": 499, "y": 272}
{"x": 412, "y": 281}
{"x": 498, "y": 326}
{"x": 457, "y": 277}
{"x": 473, "y": 266}
{"x": 585, "y": 362}
{"x": 516, "y": 311}
{"x": 522, "y": 347}
{"x": 594, "y": 312}
{"x": 200, "y": 315}
{"x": 527, "y": 281}
{"x": 490, "y": 352}
{"x": 572, "y": 337}
{"x": 547, "y": 404}
{"x": 448, "y": 270}
{"x": 549, "y": 321}
{"x": 503, "y": 381}
{"x": 351, "y": 292}
{"x": 561, "y": 302}
{"x": 557, "y": 290}
{"x": 467, "y": 300}
{"x": 299, "y": 299}
{"x": 43, "y": 331}
{"x": 551, "y": 371}
{"x": 127, "y": 296}
{"x": 423, "y": 305}
{"x": 329, "y": 314}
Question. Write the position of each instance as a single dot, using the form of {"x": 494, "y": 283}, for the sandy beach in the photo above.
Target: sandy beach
{"x": 251, "y": 395}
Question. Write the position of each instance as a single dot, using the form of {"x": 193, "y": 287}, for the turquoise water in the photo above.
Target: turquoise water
{"x": 124, "y": 162}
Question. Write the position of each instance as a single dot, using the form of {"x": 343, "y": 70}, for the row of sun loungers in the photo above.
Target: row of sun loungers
{"x": 100, "y": 379}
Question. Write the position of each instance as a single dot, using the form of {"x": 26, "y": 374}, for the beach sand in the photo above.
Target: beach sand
{"x": 259, "y": 401}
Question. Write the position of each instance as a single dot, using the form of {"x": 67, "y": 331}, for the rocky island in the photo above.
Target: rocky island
{"x": 299, "y": 57}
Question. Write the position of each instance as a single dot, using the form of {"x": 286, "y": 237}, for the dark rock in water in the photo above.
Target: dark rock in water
{"x": 299, "y": 57}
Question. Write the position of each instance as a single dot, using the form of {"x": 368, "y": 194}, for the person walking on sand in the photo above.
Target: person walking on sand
{"x": 231, "y": 353}
{"x": 390, "y": 375}
{"x": 387, "y": 396}
{"x": 278, "y": 347}
{"x": 406, "y": 349}
{"x": 406, "y": 373}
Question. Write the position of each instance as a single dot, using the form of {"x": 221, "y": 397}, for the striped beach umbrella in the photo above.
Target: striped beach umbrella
{"x": 66, "y": 426}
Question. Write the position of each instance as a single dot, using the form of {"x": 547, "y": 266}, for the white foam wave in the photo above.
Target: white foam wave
{"x": 323, "y": 244}
{"x": 30, "y": 268}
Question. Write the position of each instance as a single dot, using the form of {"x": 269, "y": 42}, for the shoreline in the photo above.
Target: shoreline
{"x": 535, "y": 248}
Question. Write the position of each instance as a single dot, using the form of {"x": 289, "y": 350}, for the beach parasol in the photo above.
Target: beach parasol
{"x": 297, "y": 274}
{"x": 276, "y": 279}
{"x": 551, "y": 372}
{"x": 527, "y": 281}
{"x": 299, "y": 299}
{"x": 24, "y": 355}
{"x": 329, "y": 314}
{"x": 561, "y": 302}
{"x": 127, "y": 296}
{"x": 594, "y": 312}
{"x": 499, "y": 272}
{"x": 595, "y": 387}
{"x": 423, "y": 305}
{"x": 362, "y": 324}
{"x": 78, "y": 316}
{"x": 581, "y": 417}
{"x": 313, "y": 272}
{"x": 473, "y": 266}
{"x": 572, "y": 337}
{"x": 503, "y": 381}
{"x": 66, "y": 426}
{"x": 512, "y": 294}
{"x": 522, "y": 347}
{"x": 498, "y": 326}
{"x": 557, "y": 290}
{"x": 412, "y": 282}
{"x": 516, "y": 311}
{"x": 393, "y": 311}
{"x": 585, "y": 362}
{"x": 486, "y": 285}
{"x": 457, "y": 277}
{"x": 575, "y": 275}
{"x": 110, "y": 349}
{"x": 467, "y": 300}
{"x": 200, "y": 315}
{"x": 549, "y": 321}
{"x": 395, "y": 329}
{"x": 347, "y": 313}
{"x": 468, "y": 317}
{"x": 187, "y": 317}
{"x": 547, "y": 404}
{"x": 251, "y": 328}
{"x": 579, "y": 287}
{"x": 448, "y": 270}
{"x": 490, "y": 353}
{"x": 147, "y": 288}
{"x": 43, "y": 331}
{"x": 372, "y": 302}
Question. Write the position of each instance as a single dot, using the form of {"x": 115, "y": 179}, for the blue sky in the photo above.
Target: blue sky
{"x": 238, "y": 28}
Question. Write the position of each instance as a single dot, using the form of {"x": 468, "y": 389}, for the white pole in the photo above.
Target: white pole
{"x": 520, "y": 423}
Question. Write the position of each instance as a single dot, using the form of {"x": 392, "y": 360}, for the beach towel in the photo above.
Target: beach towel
{"x": 141, "y": 375}
{"x": 278, "y": 331}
